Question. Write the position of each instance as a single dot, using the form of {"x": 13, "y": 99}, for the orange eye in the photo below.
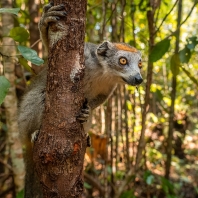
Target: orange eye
{"x": 140, "y": 64}
{"x": 123, "y": 61}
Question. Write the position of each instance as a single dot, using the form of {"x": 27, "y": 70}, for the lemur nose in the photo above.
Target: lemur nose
{"x": 138, "y": 79}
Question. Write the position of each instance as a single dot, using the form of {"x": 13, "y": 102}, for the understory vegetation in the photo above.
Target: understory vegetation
{"x": 145, "y": 138}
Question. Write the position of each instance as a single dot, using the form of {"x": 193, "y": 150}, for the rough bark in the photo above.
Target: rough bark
{"x": 61, "y": 144}
{"x": 10, "y": 102}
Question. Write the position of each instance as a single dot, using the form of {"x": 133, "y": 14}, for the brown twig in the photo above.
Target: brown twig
{"x": 173, "y": 33}
{"x": 3, "y": 55}
{"x": 35, "y": 43}
{"x": 7, "y": 165}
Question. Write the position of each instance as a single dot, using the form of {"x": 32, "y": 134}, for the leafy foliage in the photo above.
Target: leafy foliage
{"x": 159, "y": 50}
{"x": 10, "y": 10}
{"x": 4, "y": 87}
{"x": 120, "y": 118}
{"x": 127, "y": 194}
{"x": 30, "y": 55}
{"x": 19, "y": 34}
{"x": 175, "y": 64}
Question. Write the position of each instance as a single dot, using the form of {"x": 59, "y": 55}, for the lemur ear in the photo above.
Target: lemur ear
{"x": 102, "y": 48}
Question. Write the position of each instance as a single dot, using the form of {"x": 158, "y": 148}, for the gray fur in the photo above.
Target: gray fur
{"x": 102, "y": 73}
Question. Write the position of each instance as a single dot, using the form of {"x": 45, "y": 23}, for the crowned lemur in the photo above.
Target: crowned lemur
{"x": 106, "y": 65}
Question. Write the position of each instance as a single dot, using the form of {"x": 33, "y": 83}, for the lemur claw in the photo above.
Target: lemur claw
{"x": 84, "y": 114}
{"x": 34, "y": 136}
{"x": 88, "y": 141}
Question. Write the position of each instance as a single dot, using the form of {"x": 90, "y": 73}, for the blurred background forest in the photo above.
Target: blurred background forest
{"x": 144, "y": 139}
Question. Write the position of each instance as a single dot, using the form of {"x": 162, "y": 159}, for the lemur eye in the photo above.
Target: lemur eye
{"x": 123, "y": 61}
{"x": 140, "y": 64}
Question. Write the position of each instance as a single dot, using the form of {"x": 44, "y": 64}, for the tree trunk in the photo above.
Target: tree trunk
{"x": 33, "y": 7}
{"x": 60, "y": 148}
{"x": 10, "y": 101}
{"x": 151, "y": 27}
{"x": 173, "y": 96}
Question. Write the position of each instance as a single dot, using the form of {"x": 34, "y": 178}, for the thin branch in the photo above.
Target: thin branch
{"x": 157, "y": 15}
{"x": 95, "y": 183}
{"x": 166, "y": 16}
{"x": 7, "y": 165}
{"x": 112, "y": 12}
{"x": 129, "y": 176}
{"x": 3, "y": 55}
{"x": 173, "y": 33}
{"x": 35, "y": 43}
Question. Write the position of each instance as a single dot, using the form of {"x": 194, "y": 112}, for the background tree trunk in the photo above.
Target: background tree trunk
{"x": 10, "y": 102}
{"x": 173, "y": 97}
{"x": 33, "y": 7}
{"x": 60, "y": 148}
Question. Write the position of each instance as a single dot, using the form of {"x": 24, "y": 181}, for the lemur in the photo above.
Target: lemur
{"x": 106, "y": 65}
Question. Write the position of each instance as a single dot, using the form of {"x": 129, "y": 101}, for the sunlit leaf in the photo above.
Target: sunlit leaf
{"x": 129, "y": 105}
{"x": 19, "y": 34}
{"x": 4, "y": 87}
{"x": 30, "y": 55}
{"x": 167, "y": 100}
{"x": 24, "y": 63}
{"x": 159, "y": 50}
{"x": 9, "y": 10}
{"x": 153, "y": 117}
{"x": 175, "y": 64}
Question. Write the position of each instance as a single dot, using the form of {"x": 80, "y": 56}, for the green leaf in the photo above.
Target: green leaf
{"x": 175, "y": 64}
{"x": 30, "y": 54}
{"x": 167, "y": 186}
{"x": 150, "y": 179}
{"x": 127, "y": 194}
{"x": 9, "y": 10}
{"x": 4, "y": 86}
{"x": 192, "y": 42}
{"x": 24, "y": 62}
{"x": 87, "y": 186}
{"x": 19, "y": 34}
{"x": 159, "y": 50}
{"x": 20, "y": 194}
{"x": 184, "y": 55}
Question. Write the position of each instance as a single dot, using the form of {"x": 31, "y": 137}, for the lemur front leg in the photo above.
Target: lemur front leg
{"x": 83, "y": 116}
{"x": 51, "y": 14}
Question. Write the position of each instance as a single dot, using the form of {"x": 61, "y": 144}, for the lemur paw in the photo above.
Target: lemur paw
{"x": 84, "y": 114}
{"x": 34, "y": 136}
{"x": 51, "y": 14}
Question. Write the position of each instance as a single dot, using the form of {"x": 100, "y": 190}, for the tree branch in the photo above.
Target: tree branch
{"x": 166, "y": 16}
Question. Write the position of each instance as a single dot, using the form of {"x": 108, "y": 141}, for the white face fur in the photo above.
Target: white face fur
{"x": 123, "y": 64}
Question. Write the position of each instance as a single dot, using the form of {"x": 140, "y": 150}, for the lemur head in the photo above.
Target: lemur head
{"x": 122, "y": 61}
